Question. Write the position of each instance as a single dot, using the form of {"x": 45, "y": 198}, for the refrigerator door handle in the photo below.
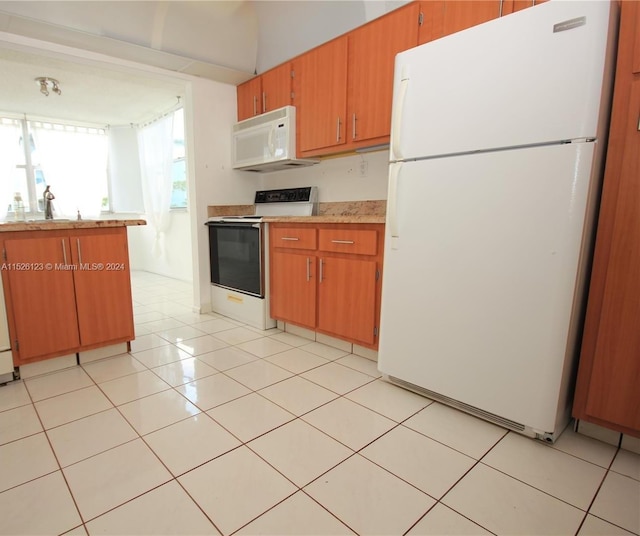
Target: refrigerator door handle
{"x": 394, "y": 177}
{"x": 398, "y": 111}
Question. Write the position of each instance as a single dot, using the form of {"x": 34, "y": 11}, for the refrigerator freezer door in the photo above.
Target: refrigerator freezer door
{"x": 479, "y": 286}
{"x": 510, "y": 82}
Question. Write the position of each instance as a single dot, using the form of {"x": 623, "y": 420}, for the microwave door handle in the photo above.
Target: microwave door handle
{"x": 272, "y": 149}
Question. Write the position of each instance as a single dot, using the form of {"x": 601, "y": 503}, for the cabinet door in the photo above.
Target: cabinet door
{"x": 293, "y": 288}
{"x": 347, "y": 298}
{"x": 276, "y": 88}
{"x": 372, "y": 51}
{"x": 432, "y": 17}
{"x": 462, "y": 14}
{"x": 103, "y": 286}
{"x": 321, "y": 97}
{"x": 42, "y": 297}
{"x": 613, "y": 393}
{"x": 249, "y": 95}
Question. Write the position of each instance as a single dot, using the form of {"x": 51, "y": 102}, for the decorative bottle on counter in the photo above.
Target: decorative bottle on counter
{"x": 18, "y": 207}
{"x": 48, "y": 206}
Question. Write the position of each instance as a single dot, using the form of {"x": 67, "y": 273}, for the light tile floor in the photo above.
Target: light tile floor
{"x": 209, "y": 427}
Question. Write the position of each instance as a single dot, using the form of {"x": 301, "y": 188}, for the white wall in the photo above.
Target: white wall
{"x": 124, "y": 170}
{"x": 338, "y": 179}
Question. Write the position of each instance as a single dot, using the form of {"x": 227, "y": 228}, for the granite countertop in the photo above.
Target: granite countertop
{"x": 52, "y": 225}
{"x": 328, "y": 218}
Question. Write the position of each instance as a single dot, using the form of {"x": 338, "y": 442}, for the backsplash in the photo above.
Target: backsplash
{"x": 334, "y": 208}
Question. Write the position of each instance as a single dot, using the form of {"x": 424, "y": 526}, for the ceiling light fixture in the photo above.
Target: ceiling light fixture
{"x": 45, "y": 81}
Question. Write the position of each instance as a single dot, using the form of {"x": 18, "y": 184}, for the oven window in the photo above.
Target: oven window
{"x": 236, "y": 257}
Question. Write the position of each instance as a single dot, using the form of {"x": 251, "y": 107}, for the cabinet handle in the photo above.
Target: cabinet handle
{"x": 291, "y": 238}
{"x": 338, "y": 130}
{"x": 321, "y": 269}
{"x": 79, "y": 252}
{"x": 354, "y": 126}
{"x": 308, "y": 269}
{"x": 343, "y": 242}
{"x": 264, "y": 102}
{"x": 64, "y": 252}
{"x": 255, "y": 105}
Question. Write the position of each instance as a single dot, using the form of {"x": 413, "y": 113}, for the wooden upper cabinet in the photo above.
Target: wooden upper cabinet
{"x": 431, "y": 21}
{"x": 462, "y": 14}
{"x": 249, "y": 95}
{"x": 511, "y": 6}
{"x": 320, "y": 87}
{"x": 276, "y": 88}
{"x": 372, "y": 51}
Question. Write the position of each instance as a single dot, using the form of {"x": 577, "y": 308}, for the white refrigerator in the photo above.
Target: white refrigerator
{"x": 497, "y": 144}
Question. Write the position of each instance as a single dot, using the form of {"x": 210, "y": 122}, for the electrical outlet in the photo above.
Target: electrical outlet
{"x": 364, "y": 166}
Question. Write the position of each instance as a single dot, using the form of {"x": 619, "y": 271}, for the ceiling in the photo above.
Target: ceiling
{"x": 214, "y": 40}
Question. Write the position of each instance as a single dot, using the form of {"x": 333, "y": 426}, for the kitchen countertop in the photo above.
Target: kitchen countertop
{"x": 52, "y": 225}
{"x": 325, "y": 219}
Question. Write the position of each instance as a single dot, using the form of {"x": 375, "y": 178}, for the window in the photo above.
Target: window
{"x": 72, "y": 160}
{"x": 178, "y": 169}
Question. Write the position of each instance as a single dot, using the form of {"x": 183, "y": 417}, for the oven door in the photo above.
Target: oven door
{"x": 236, "y": 254}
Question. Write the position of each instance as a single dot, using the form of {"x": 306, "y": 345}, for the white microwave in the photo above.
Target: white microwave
{"x": 267, "y": 142}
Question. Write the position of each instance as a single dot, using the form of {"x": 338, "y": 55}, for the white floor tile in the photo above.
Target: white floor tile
{"x": 290, "y": 339}
{"x": 184, "y": 371}
{"x": 617, "y": 502}
{"x": 564, "y": 476}
{"x": 337, "y": 378}
{"x": 361, "y": 364}
{"x": 12, "y": 395}
{"x": 298, "y": 515}
{"x": 227, "y": 358}
{"x": 132, "y": 387}
{"x": 300, "y": 451}
{"x": 297, "y": 360}
{"x": 461, "y": 431}
{"x": 369, "y": 499}
{"x": 191, "y": 442}
{"x": 201, "y": 345}
{"x": 112, "y": 368}
{"x": 162, "y": 355}
{"x": 149, "y": 314}
{"x": 24, "y": 460}
{"x": 504, "y": 505}
{"x": 163, "y": 324}
{"x": 627, "y": 463}
{"x": 237, "y": 335}
{"x": 215, "y": 325}
{"x": 264, "y": 347}
{"x": 258, "y": 374}
{"x": 156, "y": 411}
{"x": 594, "y": 526}
{"x": 18, "y": 423}
{"x": 180, "y": 333}
{"x": 57, "y": 383}
{"x": 65, "y": 408}
{"x": 192, "y": 318}
{"x": 298, "y": 395}
{"x": 212, "y": 391}
{"x": 586, "y": 448}
{"x": 146, "y": 342}
{"x": 42, "y": 506}
{"x": 118, "y": 475}
{"x": 348, "y": 422}
{"x": 250, "y": 416}
{"x": 236, "y": 488}
{"x": 442, "y": 521}
{"x": 92, "y": 435}
{"x": 322, "y": 350}
{"x": 389, "y": 400}
{"x": 165, "y": 510}
{"x": 430, "y": 466}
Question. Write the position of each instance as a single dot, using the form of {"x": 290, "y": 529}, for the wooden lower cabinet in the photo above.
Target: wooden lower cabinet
{"x": 327, "y": 277}
{"x": 66, "y": 291}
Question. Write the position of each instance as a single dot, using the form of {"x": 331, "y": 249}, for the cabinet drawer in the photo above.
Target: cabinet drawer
{"x": 293, "y": 238}
{"x": 348, "y": 241}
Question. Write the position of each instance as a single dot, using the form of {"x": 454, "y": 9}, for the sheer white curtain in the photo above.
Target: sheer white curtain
{"x": 155, "y": 144}
{"x": 9, "y": 157}
{"x": 74, "y": 163}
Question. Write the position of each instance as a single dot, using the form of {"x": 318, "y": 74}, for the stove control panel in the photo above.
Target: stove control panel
{"x": 307, "y": 194}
